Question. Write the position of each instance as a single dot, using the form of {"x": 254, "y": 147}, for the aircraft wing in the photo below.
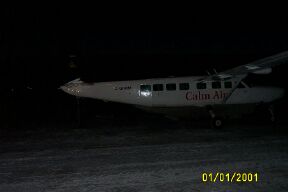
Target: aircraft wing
{"x": 262, "y": 66}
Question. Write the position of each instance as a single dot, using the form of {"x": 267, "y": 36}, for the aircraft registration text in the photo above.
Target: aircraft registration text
{"x": 198, "y": 96}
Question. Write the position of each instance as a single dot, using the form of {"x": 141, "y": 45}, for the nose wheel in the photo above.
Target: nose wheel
{"x": 272, "y": 114}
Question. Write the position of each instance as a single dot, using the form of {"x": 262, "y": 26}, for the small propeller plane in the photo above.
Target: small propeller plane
{"x": 218, "y": 95}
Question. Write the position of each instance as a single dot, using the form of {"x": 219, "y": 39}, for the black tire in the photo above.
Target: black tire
{"x": 217, "y": 123}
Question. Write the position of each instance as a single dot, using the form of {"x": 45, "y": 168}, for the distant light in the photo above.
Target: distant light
{"x": 72, "y": 65}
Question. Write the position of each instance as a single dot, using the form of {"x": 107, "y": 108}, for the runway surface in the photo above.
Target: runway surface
{"x": 144, "y": 158}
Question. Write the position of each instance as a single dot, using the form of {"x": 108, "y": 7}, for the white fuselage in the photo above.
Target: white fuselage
{"x": 174, "y": 92}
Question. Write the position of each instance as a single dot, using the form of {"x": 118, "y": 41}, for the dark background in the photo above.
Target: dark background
{"x": 44, "y": 47}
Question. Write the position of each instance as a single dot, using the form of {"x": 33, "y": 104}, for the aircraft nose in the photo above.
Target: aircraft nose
{"x": 71, "y": 88}
{"x": 64, "y": 88}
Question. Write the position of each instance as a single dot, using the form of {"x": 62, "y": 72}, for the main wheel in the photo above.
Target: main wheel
{"x": 217, "y": 122}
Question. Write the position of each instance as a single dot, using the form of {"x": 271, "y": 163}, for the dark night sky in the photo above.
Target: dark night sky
{"x": 118, "y": 44}
{"x": 36, "y": 44}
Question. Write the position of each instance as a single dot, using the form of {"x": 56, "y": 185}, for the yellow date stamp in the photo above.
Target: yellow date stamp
{"x": 235, "y": 177}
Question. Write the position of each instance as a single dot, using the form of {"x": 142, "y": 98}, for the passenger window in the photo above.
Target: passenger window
{"x": 201, "y": 85}
{"x": 216, "y": 84}
{"x": 184, "y": 86}
{"x": 145, "y": 90}
{"x": 228, "y": 84}
{"x": 145, "y": 87}
{"x": 158, "y": 87}
{"x": 171, "y": 87}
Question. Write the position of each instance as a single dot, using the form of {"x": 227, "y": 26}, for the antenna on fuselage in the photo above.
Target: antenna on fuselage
{"x": 208, "y": 73}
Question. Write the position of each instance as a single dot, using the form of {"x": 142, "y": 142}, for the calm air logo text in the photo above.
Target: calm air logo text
{"x": 198, "y": 96}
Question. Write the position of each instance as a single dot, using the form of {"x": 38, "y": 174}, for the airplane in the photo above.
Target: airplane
{"x": 219, "y": 95}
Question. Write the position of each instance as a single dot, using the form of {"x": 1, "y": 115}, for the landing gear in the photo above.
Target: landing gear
{"x": 216, "y": 121}
{"x": 78, "y": 110}
{"x": 272, "y": 114}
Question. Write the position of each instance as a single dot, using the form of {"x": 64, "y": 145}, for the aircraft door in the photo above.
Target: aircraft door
{"x": 145, "y": 94}
{"x": 158, "y": 97}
